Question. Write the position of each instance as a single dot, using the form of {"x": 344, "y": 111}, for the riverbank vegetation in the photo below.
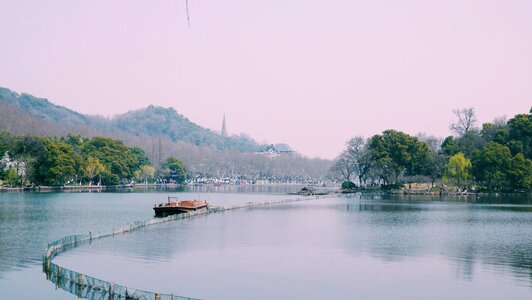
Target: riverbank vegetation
{"x": 494, "y": 157}
{"x": 76, "y": 160}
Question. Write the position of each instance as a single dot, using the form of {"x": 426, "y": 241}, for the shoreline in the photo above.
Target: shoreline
{"x": 83, "y": 188}
{"x": 67, "y": 188}
{"x": 432, "y": 193}
{"x": 131, "y": 188}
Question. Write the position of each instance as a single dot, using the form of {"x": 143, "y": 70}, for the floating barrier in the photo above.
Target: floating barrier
{"x": 84, "y": 286}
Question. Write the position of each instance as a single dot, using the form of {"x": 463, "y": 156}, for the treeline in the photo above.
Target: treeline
{"x": 34, "y": 160}
{"x": 211, "y": 163}
{"x": 495, "y": 157}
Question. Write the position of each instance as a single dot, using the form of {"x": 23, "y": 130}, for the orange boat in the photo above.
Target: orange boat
{"x": 173, "y": 206}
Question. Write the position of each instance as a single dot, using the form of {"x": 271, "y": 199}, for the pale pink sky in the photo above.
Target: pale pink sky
{"x": 305, "y": 72}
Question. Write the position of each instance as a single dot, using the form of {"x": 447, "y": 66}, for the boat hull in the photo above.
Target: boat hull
{"x": 163, "y": 211}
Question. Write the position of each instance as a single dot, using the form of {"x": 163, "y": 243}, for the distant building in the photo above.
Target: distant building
{"x": 276, "y": 150}
{"x": 224, "y": 128}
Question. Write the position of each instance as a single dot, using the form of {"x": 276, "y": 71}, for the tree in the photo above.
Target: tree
{"x": 420, "y": 157}
{"x": 381, "y": 156}
{"x": 433, "y": 142}
{"x": 520, "y": 130}
{"x": 8, "y": 166}
{"x": 396, "y": 152}
{"x": 174, "y": 170}
{"x": 30, "y": 150}
{"x": 470, "y": 142}
{"x": 348, "y": 185}
{"x": 520, "y": 173}
{"x": 59, "y": 164}
{"x": 466, "y": 121}
{"x": 22, "y": 168}
{"x": 6, "y": 162}
{"x": 516, "y": 147}
{"x": 348, "y": 163}
{"x": 491, "y": 165}
{"x": 11, "y": 177}
{"x": 6, "y": 141}
{"x": 365, "y": 166}
{"x": 435, "y": 166}
{"x": 114, "y": 155}
{"x": 496, "y": 131}
{"x": 93, "y": 167}
{"x": 458, "y": 169}
{"x": 449, "y": 146}
{"x": 145, "y": 173}
{"x": 140, "y": 158}
{"x": 343, "y": 167}
{"x": 120, "y": 161}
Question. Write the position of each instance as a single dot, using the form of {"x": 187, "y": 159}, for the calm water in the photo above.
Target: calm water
{"x": 359, "y": 247}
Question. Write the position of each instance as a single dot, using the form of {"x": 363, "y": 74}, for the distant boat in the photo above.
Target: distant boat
{"x": 173, "y": 206}
{"x": 309, "y": 191}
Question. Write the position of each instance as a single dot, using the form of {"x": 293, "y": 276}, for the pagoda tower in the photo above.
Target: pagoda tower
{"x": 224, "y": 127}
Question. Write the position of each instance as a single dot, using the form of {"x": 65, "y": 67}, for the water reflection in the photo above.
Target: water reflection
{"x": 491, "y": 232}
{"x": 335, "y": 241}
{"x": 28, "y": 220}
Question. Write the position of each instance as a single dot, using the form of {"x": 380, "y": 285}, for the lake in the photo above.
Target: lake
{"x": 363, "y": 246}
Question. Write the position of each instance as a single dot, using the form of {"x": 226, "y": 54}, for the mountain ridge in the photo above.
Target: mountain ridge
{"x": 40, "y": 107}
{"x": 154, "y": 121}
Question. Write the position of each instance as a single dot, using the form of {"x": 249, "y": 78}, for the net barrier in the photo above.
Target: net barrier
{"x": 84, "y": 286}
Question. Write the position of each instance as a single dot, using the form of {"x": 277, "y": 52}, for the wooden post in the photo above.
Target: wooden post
{"x": 46, "y": 267}
{"x": 79, "y": 286}
{"x": 58, "y": 283}
{"x": 111, "y": 290}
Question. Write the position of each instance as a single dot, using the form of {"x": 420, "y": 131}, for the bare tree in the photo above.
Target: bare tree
{"x": 365, "y": 165}
{"x": 355, "y": 146}
{"x": 500, "y": 122}
{"x": 433, "y": 141}
{"x": 357, "y": 153}
{"x": 350, "y": 162}
{"x": 466, "y": 121}
{"x": 343, "y": 167}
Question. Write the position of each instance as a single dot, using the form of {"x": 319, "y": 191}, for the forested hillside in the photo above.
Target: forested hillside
{"x": 161, "y": 133}
{"x": 43, "y": 109}
{"x": 166, "y": 122}
{"x": 150, "y": 121}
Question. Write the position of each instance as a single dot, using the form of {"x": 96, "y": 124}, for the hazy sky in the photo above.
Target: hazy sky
{"x": 308, "y": 73}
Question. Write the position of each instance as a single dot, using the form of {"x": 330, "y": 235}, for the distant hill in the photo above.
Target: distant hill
{"x": 151, "y": 121}
{"x": 43, "y": 109}
{"x": 159, "y": 121}
{"x": 161, "y": 133}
